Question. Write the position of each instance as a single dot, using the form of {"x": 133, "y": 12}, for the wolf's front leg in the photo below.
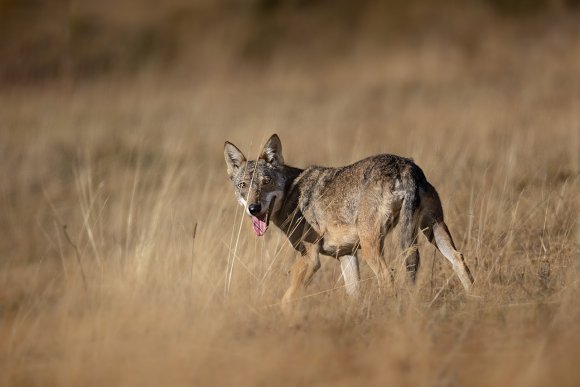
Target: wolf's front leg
{"x": 301, "y": 275}
{"x": 350, "y": 274}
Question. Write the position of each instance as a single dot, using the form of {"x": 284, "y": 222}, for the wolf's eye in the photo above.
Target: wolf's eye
{"x": 241, "y": 184}
{"x": 267, "y": 180}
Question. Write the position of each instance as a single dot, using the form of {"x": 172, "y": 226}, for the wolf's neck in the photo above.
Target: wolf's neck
{"x": 291, "y": 195}
{"x": 292, "y": 173}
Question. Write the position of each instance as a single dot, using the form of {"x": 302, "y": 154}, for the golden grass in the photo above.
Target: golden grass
{"x": 132, "y": 167}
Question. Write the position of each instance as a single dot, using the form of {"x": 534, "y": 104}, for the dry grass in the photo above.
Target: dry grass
{"x": 131, "y": 167}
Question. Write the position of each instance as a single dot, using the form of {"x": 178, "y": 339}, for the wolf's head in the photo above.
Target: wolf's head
{"x": 258, "y": 184}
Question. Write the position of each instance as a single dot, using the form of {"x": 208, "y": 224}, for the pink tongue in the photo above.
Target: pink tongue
{"x": 259, "y": 226}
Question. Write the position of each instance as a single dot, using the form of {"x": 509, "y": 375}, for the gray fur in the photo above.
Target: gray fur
{"x": 344, "y": 211}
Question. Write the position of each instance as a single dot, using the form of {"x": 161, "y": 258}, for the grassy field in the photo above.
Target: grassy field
{"x": 118, "y": 225}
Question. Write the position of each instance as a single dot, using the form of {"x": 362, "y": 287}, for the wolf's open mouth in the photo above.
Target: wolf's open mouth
{"x": 261, "y": 225}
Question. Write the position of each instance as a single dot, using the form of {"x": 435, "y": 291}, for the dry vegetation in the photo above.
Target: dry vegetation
{"x": 132, "y": 291}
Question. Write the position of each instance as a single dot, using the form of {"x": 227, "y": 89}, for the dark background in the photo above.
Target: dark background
{"x": 80, "y": 40}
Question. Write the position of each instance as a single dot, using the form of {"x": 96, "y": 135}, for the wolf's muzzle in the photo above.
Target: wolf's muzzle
{"x": 255, "y": 208}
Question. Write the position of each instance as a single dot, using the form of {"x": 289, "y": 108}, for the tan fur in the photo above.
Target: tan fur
{"x": 345, "y": 211}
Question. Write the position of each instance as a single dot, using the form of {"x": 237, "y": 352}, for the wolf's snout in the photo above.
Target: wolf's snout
{"x": 255, "y": 208}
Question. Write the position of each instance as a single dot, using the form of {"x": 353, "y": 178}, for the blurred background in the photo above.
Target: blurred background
{"x": 125, "y": 259}
{"x": 193, "y": 39}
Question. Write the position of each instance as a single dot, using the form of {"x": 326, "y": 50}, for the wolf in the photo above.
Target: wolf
{"x": 343, "y": 212}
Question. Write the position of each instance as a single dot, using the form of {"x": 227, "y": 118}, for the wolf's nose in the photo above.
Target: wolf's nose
{"x": 254, "y": 208}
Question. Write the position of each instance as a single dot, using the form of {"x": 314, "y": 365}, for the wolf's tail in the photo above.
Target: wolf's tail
{"x": 411, "y": 203}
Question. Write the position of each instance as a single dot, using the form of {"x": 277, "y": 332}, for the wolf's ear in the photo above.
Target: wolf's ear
{"x": 234, "y": 157}
{"x": 272, "y": 152}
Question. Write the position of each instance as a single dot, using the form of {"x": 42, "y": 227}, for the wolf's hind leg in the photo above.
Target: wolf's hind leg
{"x": 371, "y": 252}
{"x": 411, "y": 251}
{"x": 439, "y": 235}
{"x": 350, "y": 274}
{"x": 412, "y": 262}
